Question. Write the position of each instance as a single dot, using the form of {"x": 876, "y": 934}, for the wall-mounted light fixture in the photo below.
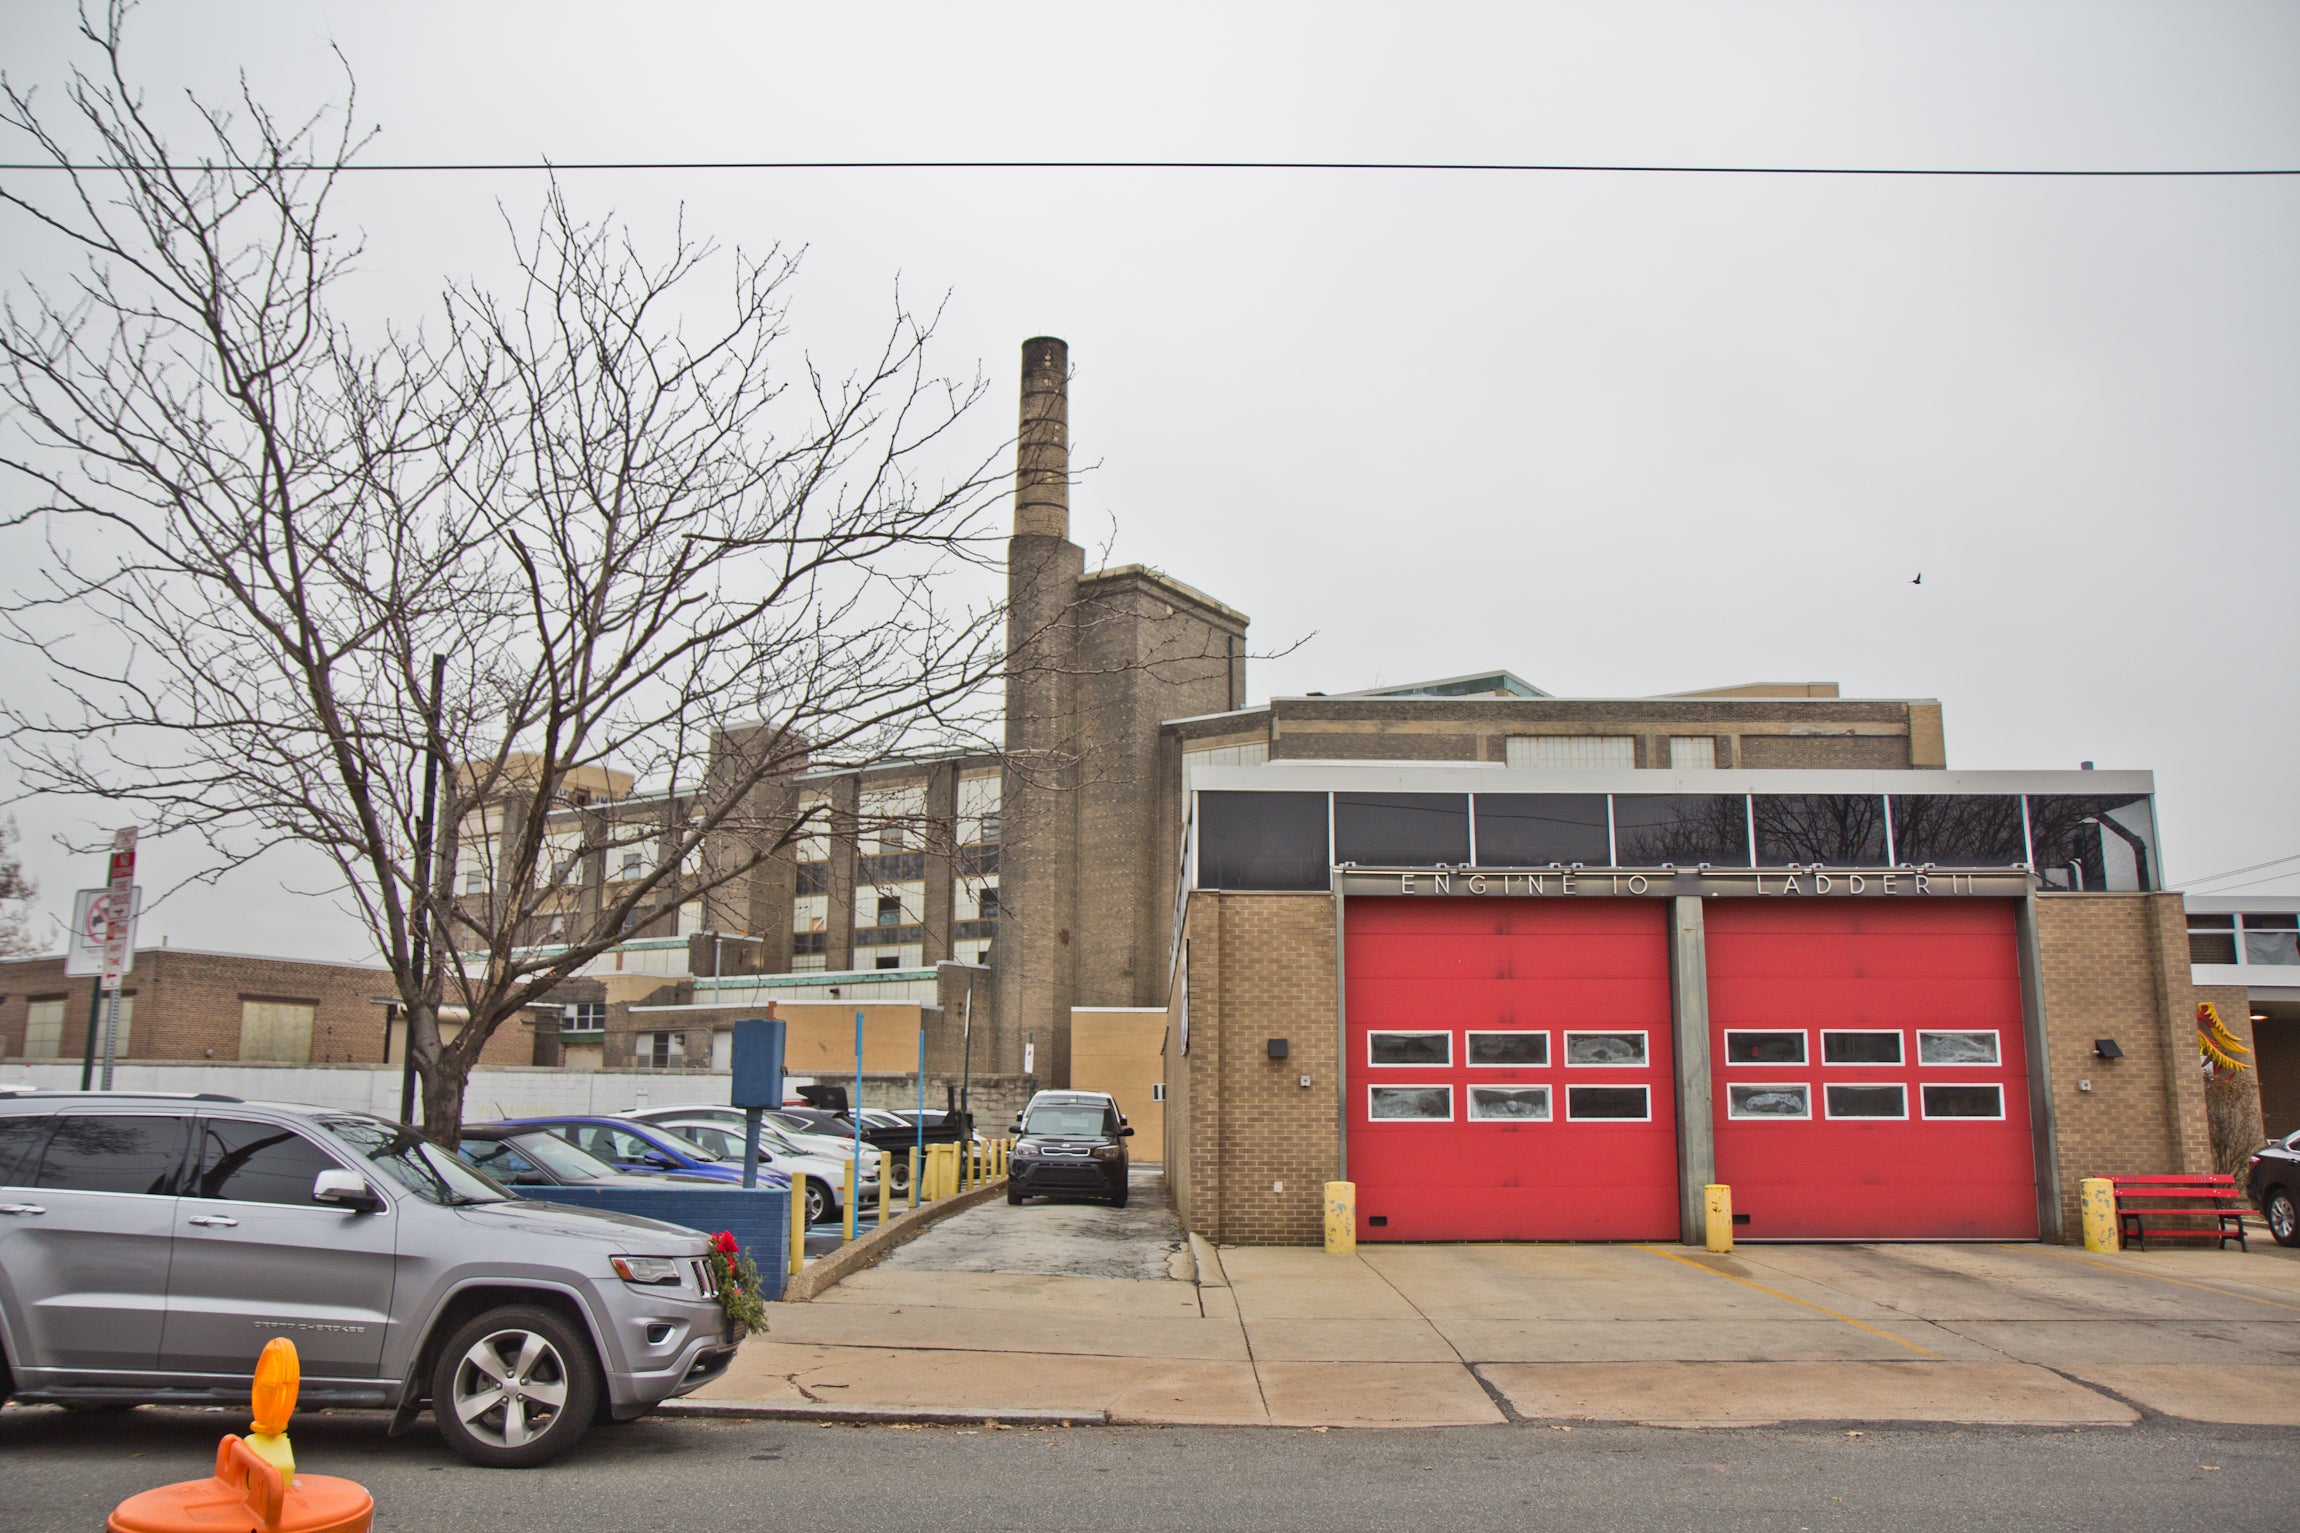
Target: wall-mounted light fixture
{"x": 2106, "y": 1048}
{"x": 1277, "y": 1048}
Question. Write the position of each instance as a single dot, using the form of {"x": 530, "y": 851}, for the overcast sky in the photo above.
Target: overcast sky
{"x": 1621, "y": 434}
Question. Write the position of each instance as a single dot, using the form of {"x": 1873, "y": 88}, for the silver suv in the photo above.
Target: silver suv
{"x": 150, "y": 1245}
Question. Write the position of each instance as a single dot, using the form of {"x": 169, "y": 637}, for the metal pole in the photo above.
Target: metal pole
{"x": 751, "y": 1151}
{"x": 111, "y": 1031}
{"x": 854, "y": 1109}
{"x": 966, "y": 1078}
{"x": 88, "y": 1048}
{"x": 920, "y": 1157}
{"x": 423, "y": 828}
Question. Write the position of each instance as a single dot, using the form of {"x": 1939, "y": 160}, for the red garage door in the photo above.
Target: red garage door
{"x": 1868, "y": 1070}
{"x": 1509, "y": 1070}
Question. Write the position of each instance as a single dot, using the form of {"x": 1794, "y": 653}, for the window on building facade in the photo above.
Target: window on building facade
{"x": 813, "y": 878}
{"x": 1408, "y": 830}
{"x": 889, "y": 961}
{"x": 1565, "y": 753}
{"x": 1533, "y": 830}
{"x": 634, "y": 865}
{"x": 1839, "y": 829}
{"x": 659, "y": 1051}
{"x": 1685, "y": 829}
{"x": 2272, "y": 939}
{"x": 986, "y": 901}
{"x": 889, "y": 910}
{"x": 2211, "y": 938}
{"x": 1958, "y": 830}
{"x": 1262, "y": 841}
{"x": 1692, "y": 753}
{"x": 990, "y": 827}
{"x": 44, "y": 1028}
{"x": 583, "y": 1017}
{"x": 276, "y": 1030}
{"x": 2088, "y": 843}
{"x": 1253, "y": 753}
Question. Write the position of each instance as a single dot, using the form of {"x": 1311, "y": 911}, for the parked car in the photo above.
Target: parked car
{"x": 1071, "y": 1142}
{"x": 644, "y": 1147}
{"x": 535, "y": 1157}
{"x": 822, "y": 1175}
{"x": 800, "y": 1133}
{"x": 2272, "y": 1181}
{"x": 206, "y": 1224}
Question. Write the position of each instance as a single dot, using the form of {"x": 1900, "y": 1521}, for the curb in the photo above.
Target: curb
{"x": 827, "y": 1272}
{"x": 917, "y": 1415}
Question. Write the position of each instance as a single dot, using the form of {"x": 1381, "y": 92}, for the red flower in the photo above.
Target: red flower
{"x": 724, "y": 1243}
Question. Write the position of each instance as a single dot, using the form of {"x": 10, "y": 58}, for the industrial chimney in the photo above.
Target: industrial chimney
{"x": 1042, "y": 446}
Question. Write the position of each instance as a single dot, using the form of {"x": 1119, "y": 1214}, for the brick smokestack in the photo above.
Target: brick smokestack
{"x": 1042, "y": 449}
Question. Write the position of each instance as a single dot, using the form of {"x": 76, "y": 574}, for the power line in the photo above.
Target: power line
{"x": 2213, "y": 878}
{"x": 1414, "y": 166}
{"x": 2249, "y": 883}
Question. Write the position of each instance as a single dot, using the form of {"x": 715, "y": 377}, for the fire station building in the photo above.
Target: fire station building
{"x": 1513, "y": 1001}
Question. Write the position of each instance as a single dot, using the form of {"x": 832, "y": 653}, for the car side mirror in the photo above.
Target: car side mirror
{"x": 345, "y": 1189}
{"x": 1125, "y": 1132}
{"x": 661, "y": 1162}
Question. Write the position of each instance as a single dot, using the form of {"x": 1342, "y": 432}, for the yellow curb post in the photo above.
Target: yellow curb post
{"x": 1341, "y": 1218}
{"x": 885, "y": 1186}
{"x": 915, "y": 1171}
{"x": 798, "y": 1224}
{"x": 847, "y": 1201}
{"x": 1717, "y": 1201}
{"x": 2096, "y": 1196}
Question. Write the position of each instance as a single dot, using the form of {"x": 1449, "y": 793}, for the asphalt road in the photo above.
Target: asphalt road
{"x": 1057, "y": 1237}
{"x": 62, "y": 1472}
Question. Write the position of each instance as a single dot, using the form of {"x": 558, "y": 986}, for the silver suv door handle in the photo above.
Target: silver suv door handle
{"x": 21, "y": 1208}
{"x": 217, "y": 1220}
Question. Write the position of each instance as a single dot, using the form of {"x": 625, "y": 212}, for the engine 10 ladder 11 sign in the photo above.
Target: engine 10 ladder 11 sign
{"x": 1709, "y": 883}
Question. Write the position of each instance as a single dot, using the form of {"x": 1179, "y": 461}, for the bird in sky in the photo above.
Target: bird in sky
{"x": 1920, "y": 580}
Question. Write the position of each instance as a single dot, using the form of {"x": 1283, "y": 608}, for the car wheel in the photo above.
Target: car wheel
{"x": 820, "y": 1204}
{"x": 514, "y": 1387}
{"x": 1118, "y": 1198}
{"x": 2283, "y": 1217}
{"x": 1014, "y": 1192}
{"x": 898, "y": 1175}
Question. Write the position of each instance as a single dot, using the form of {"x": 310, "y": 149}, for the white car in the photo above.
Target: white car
{"x": 825, "y": 1174}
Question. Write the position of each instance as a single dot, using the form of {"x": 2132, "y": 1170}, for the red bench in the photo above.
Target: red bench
{"x": 2142, "y": 1200}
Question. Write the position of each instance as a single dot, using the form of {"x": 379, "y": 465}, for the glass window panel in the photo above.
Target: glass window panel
{"x": 1411, "y": 830}
{"x": 20, "y": 1138}
{"x": 1533, "y": 830}
{"x": 1768, "y": 1101}
{"x": 1409, "y": 1048}
{"x": 1862, "y": 1048}
{"x": 1840, "y": 829}
{"x": 1684, "y": 828}
{"x": 245, "y": 1162}
{"x": 1605, "y": 1048}
{"x": 2092, "y": 844}
{"x": 44, "y": 1028}
{"x": 1973, "y": 1048}
{"x": 1526, "y": 1049}
{"x": 2272, "y": 939}
{"x": 1695, "y": 753}
{"x": 1602, "y": 1102}
{"x": 1964, "y": 1101}
{"x": 92, "y": 1152}
{"x": 1570, "y": 753}
{"x": 1409, "y": 1104}
{"x": 2212, "y": 947}
{"x": 1958, "y": 830}
{"x": 1262, "y": 841}
{"x": 1868, "y": 1101}
{"x": 1764, "y": 1048}
{"x": 2202, "y": 920}
{"x": 1509, "y": 1104}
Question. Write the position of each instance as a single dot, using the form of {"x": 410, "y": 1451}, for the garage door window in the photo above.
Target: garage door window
{"x": 1956, "y": 1048}
{"x": 1868, "y": 1101}
{"x": 1409, "y": 1104}
{"x": 1859, "y": 1048}
{"x": 1526, "y": 1050}
{"x": 1626, "y": 1104}
{"x": 1751, "y": 1048}
{"x": 1421, "y": 1050}
{"x": 1611, "y": 1050}
{"x": 1509, "y": 1104}
{"x": 1964, "y": 1101}
{"x": 1768, "y": 1101}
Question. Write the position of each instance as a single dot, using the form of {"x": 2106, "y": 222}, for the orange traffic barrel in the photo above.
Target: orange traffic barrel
{"x": 248, "y": 1495}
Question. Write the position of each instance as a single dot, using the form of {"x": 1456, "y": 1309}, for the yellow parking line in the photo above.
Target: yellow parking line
{"x": 2225, "y": 1293}
{"x": 1791, "y": 1298}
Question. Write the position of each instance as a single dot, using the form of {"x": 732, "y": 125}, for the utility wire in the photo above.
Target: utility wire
{"x": 2249, "y": 883}
{"x": 1531, "y": 168}
{"x": 2213, "y": 878}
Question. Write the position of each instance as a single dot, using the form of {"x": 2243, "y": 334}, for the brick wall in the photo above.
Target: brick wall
{"x": 2116, "y": 966}
{"x": 1238, "y": 1123}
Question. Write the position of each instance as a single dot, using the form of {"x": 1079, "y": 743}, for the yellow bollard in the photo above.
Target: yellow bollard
{"x": 2096, "y": 1196}
{"x": 885, "y": 1186}
{"x": 847, "y": 1199}
{"x": 798, "y": 1223}
{"x": 916, "y": 1170}
{"x": 1717, "y": 1200}
{"x": 1341, "y": 1218}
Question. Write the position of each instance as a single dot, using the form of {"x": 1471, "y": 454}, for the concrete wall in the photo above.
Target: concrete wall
{"x": 1122, "y": 1050}
{"x": 494, "y": 1093}
{"x": 2116, "y": 966}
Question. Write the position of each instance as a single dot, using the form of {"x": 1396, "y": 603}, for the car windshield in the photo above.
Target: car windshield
{"x": 557, "y": 1155}
{"x": 678, "y": 1141}
{"x": 1069, "y": 1120}
{"x": 423, "y": 1168}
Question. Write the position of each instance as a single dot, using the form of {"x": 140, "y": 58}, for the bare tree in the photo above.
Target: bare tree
{"x": 664, "y": 558}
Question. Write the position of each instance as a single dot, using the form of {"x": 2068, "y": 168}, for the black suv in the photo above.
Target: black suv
{"x": 1070, "y": 1142}
{"x": 2272, "y": 1178}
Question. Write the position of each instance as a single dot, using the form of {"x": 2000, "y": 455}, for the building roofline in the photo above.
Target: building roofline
{"x": 1426, "y": 691}
{"x": 1164, "y": 581}
{"x": 1296, "y": 776}
{"x": 205, "y": 952}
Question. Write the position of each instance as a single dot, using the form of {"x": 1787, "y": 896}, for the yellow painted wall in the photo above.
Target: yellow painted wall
{"x": 820, "y": 1037}
{"x": 1123, "y": 1051}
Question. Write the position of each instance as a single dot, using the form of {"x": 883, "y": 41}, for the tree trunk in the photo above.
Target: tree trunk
{"x": 443, "y": 1104}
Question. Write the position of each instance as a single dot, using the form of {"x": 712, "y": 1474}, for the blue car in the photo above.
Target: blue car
{"x": 642, "y": 1147}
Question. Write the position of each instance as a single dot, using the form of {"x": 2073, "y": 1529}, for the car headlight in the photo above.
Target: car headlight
{"x": 1026, "y": 1147}
{"x": 648, "y": 1271}
{"x": 1105, "y": 1152}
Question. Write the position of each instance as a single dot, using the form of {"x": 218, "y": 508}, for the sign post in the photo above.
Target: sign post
{"x": 119, "y": 949}
{"x": 758, "y": 1085}
{"x": 93, "y": 915}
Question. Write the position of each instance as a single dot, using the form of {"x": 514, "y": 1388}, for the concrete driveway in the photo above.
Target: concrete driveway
{"x": 1009, "y": 1309}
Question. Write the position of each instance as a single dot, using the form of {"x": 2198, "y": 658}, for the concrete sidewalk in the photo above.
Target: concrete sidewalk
{"x": 1465, "y": 1334}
